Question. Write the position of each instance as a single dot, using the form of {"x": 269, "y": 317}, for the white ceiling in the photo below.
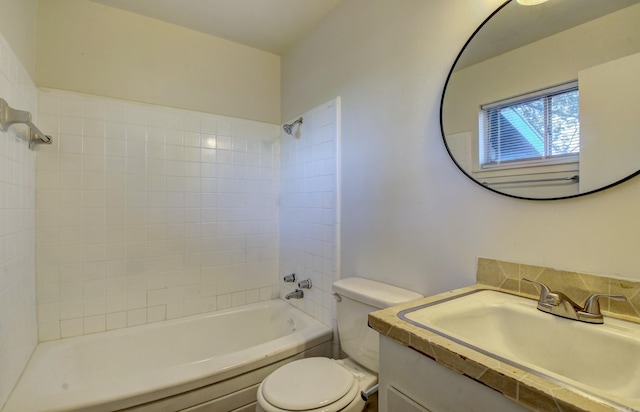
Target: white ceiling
{"x": 269, "y": 25}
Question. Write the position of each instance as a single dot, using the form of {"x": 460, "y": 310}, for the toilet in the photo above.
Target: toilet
{"x": 328, "y": 385}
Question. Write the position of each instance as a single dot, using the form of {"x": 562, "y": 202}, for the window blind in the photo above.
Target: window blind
{"x": 537, "y": 127}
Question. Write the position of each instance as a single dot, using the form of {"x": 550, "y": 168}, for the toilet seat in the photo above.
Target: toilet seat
{"x": 309, "y": 385}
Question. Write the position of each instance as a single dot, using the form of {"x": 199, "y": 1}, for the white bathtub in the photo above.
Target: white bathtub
{"x": 208, "y": 362}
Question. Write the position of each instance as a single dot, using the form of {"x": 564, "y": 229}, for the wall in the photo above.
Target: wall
{"x": 606, "y": 105}
{"x": 91, "y": 48}
{"x": 146, "y": 213}
{"x": 18, "y": 26}
{"x": 309, "y": 208}
{"x": 547, "y": 62}
{"x": 18, "y": 335}
{"x": 409, "y": 217}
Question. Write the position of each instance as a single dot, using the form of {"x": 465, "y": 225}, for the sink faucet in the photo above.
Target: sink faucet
{"x": 296, "y": 294}
{"x": 559, "y": 304}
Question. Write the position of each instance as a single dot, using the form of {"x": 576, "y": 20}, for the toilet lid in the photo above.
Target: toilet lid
{"x": 307, "y": 384}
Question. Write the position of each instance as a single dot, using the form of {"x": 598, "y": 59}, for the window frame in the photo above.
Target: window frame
{"x": 543, "y": 160}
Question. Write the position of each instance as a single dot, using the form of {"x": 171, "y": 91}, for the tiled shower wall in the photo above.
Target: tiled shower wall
{"x": 309, "y": 210}
{"x": 147, "y": 213}
{"x": 18, "y": 334}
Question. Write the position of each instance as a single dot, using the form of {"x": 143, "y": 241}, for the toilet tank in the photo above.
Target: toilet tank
{"x": 358, "y": 297}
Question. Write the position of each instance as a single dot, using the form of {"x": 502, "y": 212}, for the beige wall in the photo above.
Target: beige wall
{"x": 91, "y": 48}
{"x": 538, "y": 65}
{"x": 608, "y": 98}
{"x": 409, "y": 216}
{"x": 18, "y": 26}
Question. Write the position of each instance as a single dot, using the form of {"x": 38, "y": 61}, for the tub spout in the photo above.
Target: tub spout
{"x": 296, "y": 294}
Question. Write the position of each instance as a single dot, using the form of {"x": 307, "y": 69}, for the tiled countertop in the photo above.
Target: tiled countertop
{"x": 527, "y": 389}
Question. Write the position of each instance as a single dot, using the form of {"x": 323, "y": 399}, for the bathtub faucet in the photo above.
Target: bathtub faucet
{"x": 296, "y": 294}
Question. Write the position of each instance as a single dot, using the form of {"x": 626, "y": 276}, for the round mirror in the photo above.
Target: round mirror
{"x": 542, "y": 101}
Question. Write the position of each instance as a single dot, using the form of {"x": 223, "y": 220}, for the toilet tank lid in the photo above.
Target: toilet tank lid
{"x": 376, "y": 294}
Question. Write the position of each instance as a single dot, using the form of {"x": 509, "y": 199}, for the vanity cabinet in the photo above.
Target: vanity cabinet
{"x": 412, "y": 382}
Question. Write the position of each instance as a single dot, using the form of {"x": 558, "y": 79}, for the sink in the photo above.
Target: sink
{"x": 597, "y": 360}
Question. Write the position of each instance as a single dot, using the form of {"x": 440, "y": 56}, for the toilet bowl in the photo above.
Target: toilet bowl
{"x": 315, "y": 385}
{"x": 328, "y": 385}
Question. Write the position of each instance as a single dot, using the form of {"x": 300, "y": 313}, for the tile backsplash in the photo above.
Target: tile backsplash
{"x": 18, "y": 330}
{"x": 578, "y": 286}
{"x": 146, "y": 213}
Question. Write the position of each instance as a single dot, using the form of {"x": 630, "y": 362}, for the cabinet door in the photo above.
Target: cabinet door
{"x": 398, "y": 401}
{"x": 433, "y": 386}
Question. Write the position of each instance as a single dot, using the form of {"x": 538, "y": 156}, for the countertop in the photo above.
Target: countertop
{"x": 529, "y": 390}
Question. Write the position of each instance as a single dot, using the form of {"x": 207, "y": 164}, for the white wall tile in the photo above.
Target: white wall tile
{"x": 137, "y": 317}
{"x": 94, "y": 324}
{"x": 131, "y": 192}
{"x": 71, "y": 327}
{"x": 156, "y": 314}
{"x": 18, "y": 310}
{"x": 116, "y": 320}
{"x": 309, "y": 204}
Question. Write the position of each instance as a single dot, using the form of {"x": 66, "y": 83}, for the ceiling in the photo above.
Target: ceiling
{"x": 269, "y": 25}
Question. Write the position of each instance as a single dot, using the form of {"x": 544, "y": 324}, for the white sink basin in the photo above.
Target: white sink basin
{"x": 599, "y": 360}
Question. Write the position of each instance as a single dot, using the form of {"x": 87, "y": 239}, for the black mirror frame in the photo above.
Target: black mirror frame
{"x": 444, "y": 140}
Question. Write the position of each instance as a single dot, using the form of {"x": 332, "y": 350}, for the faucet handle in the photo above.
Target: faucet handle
{"x": 305, "y": 284}
{"x": 545, "y": 293}
{"x": 592, "y": 304}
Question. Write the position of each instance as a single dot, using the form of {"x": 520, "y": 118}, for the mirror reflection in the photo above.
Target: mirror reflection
{"x": 542, "y": 101}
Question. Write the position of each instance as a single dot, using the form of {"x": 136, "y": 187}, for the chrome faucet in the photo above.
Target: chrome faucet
{"x": 559, "y": 304}
{"x": 296, "y": 294}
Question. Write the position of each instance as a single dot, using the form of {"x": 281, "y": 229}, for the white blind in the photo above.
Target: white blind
{"x": 532, "y": 128}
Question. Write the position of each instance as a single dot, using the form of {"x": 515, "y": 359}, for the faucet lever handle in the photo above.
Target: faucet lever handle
{"x": 592, "y": 304}
{"x": 544, "y": 289}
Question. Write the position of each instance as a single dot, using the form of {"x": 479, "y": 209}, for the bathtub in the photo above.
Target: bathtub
{"x": 211, "y": 362}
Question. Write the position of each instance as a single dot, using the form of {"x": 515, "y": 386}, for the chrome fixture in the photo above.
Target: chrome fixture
{"x": 288, "y": 128}
{"x": 10, "y": 116}
{"x": 559, "y": 304}
{"x": 592, "y": 304}
{"x": 290, "y": 278}
{"x": 365, "y": 394}
{"x": 296, "y": 294}
{"x": 305, "y": 284}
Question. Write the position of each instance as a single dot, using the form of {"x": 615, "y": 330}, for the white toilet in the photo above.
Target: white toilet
{"x": 328, "y": 385}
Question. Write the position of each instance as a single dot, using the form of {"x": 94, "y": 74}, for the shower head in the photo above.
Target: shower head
{"x": 288, "y": 128}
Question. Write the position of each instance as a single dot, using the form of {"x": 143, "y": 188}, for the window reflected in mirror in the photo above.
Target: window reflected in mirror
{"x": 536, "y": 105}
